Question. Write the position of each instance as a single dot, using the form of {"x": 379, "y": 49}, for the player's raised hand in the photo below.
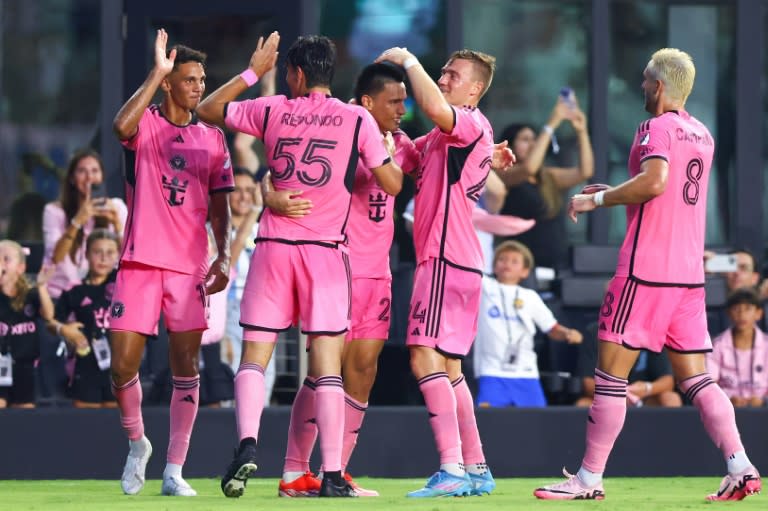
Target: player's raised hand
{"x": 502, "y": 157}
{"x": 580, "y": 203}
{"x": 218, "y": 276}
{"x": 265, "y": 55}
{"x": 163, "y": 62}
{"x": 395, "y": 55}
{"x": 389, "y": 144}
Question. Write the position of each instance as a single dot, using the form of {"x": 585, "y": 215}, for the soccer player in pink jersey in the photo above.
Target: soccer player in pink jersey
{"x": 455, "y": 160}
{"x": 181, "y": 164}
{"x": 313, "y": 145}
{"x": 380, "y": 89}
{"x": 656, "y": 298}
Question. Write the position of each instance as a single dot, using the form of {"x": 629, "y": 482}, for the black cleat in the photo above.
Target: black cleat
{"x": 334, "y": 485}
{"x": 242, "y": 467}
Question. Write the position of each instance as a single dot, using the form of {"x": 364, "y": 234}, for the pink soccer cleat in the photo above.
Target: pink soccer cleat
{"x": 361, "y": 492}
{"x": 570, "y": 489}
{"x": 738, "y": 486}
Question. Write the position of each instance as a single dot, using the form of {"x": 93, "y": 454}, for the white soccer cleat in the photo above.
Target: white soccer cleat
{"x": 139, "y": 452}
{"x": 177, "y": 487}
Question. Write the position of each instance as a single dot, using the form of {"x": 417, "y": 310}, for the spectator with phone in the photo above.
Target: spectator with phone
{"x": 535, "y": 190}
{"x": 68, "y": 221}
{"x": 740, "y": 269}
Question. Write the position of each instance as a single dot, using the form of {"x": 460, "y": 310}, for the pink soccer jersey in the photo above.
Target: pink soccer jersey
{"x": 665, "y": 235}
{"x": 454, "y": 167}
{"x": 175, "y": 168}
{"x": 313, "y": 144}
{"x": 371, "y": 225}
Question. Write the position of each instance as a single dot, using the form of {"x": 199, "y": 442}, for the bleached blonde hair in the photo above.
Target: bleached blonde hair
{"x": 675, "y": 68}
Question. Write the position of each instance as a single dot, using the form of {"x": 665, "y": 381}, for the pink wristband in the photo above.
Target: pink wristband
{"x": 249, "y": 77}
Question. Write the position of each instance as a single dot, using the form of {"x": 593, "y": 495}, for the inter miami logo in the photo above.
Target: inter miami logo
{"x": 377, "y": 206}
{"x": 176, "y": 190}
{"x": 178, "y": 162}
{"x": 118, "y": 308}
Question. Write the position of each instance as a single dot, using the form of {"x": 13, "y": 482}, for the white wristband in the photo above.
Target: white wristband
{"x": 549, "y": 130}
{"x": 410, "y": 62}
{"x": 598, "y": 198}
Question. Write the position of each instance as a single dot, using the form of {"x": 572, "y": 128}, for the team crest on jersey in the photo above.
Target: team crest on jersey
{"x": 176, "y": 190}
{"x": 646, "y": 139}
{"x": 178, "y": 162}
{"x": 377, "y": 204}
{"x": 3, "y": 329}
{"x": 118, "y": 309}
{"x": 29, "y": 311}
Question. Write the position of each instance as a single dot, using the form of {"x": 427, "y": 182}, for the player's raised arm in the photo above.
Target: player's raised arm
{"x": 211, "y": 110}
{"x": 126, "y": 121}
{"x": 424, "y": 89}
{"x": 390, "y": 175}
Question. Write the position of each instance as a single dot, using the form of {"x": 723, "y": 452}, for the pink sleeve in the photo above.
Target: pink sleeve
{"x": 419, "y": 142}
{"x": 54, "y": 225}
{"x": 467, "y": 129}
{"x": 370, "y": 143}
{"x": 220, "y": 177}
{"x": 407, "y": 156}
{"x": 656, "y": 142}
{"x": 142, "y": 132}
{"x": 248, "y": 116}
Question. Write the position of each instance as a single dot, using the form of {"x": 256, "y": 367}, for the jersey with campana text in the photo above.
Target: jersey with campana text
{"x": 449, "y": 182}
{"x": 664, "y": 244}
{"x": 313, "y": 144}
{"x": 371, "y": 226}
{"x": 170, "y": 174}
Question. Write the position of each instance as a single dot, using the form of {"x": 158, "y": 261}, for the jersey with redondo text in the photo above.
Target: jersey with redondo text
{"x": 371, "y": 225}
{"x": 664, "y": 244}
{"x": 170, "y": 174}
{"x": 313, "y": 144}
{"x": 449, "y": 182}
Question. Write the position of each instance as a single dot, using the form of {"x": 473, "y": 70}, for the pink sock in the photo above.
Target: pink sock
{"x": 471, "y": 446}
{"x": 128, "y": 398}
{"x": 606, "y": 418}
{"x": 441, "y": 405}
{"x": 716, "y": 412}
{"x": 302, "y": 431}
{"x": 354, "y": 413}
{"x": 184, "y": 402}
{"x": 249, "y": 399}
{"x": 329, "y": 410}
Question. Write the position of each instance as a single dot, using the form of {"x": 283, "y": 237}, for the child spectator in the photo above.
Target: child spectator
{"x": 21, "y": 304}
{"x": 82, "y": 320}
{"x": 739, "y": 358}
{"x": 504, "y": 359}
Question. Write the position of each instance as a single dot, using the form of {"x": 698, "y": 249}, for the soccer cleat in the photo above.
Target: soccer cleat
{"x": 482, "y": 483}
{"x": 132, "y": 479}
{"x": 443, "y": 484}
{"x": 305, "y": 486}
{"x": 177, "y": 487}
{"x": 333, "y": 485}
{"x": 361, "y": 492}
{"x": 242, "y": 467}
{"x": 570, "y": 489}
{"x": 738, "y": 486}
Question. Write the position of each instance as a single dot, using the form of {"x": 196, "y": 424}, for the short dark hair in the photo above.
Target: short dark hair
{"x": 186, "y": 54}
{"x": 374, "y": 77}
{"x": 746, "y": 295}
{"x": 316, "y": 56}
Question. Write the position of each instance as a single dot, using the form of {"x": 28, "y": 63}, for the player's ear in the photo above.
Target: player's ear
{"x": 165, "y": 85}
{"x": 367, "y": 102}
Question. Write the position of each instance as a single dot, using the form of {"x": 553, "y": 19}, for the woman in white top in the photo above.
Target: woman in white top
{"x": 68, "y": 221}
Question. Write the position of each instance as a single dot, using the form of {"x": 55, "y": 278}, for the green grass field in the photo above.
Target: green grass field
{"x": 632, "y": 494}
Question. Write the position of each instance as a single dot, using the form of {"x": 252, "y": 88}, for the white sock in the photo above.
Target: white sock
{"x": 476, "y": 468}
{"x": 456, "y": 469}
{"x": 290, "y": 477}
{"x": 172, "y": 470}
{"x": 589, "y": 478}
{"x": 738, "y": 462}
